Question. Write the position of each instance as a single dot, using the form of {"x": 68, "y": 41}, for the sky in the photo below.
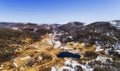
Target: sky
{"x": 59, "y": 11}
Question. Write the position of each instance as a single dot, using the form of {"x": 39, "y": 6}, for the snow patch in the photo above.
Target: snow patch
{"x": 107, "y": 51}
{"x": 113, "y": 23}
{"x": 63, "y": 47}
{"x": 27, "y": 57}
{"x": 15, "y": 28}
{"x": 72, "y": 63}
{"x": 57, "y": 44}
{"x": 53, "y": 69}
{"x": 98, "y": 48}
{"x": 118, "y": 51}
{"x": 83, "y": 44}
{"x": 103, "y": 59}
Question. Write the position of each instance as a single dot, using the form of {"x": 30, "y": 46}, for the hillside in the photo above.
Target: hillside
{"x": 36, "y": 47}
